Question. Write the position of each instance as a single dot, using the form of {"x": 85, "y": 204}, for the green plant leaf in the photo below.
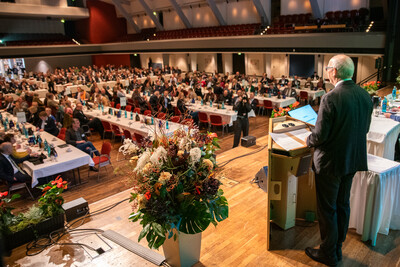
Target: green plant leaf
{"x": 195, "y": 218}
{"x": 157, "y": 229}
{"x": 144, "y": 232}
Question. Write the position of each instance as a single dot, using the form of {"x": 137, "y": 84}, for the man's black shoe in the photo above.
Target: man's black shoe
{"x": 319, "y": 256}
{"x": 94, "y": 169}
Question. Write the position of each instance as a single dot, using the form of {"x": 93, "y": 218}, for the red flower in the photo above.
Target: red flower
{"x": 4, "y": 194}
{"x": 148, "y": 195}
{"x": 46, "y": 188}
{"x": 212, "y": 135}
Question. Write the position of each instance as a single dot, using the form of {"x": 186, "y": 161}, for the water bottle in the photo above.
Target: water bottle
{"x": 223, "y": 105}
{"x": 102, "y": 108}
{"x": 210, "y": 103}
{"x": 193, "y": 101}
{"x": 126, "y": 114}
{"x": 394, "y": 93}
{"x": 11, "y": 124}
{"x": 384, "y": 105}
{"x": 131, "y": 115}
{"x": 99, "y": 106}
{"x": 166, "y": 125}
{"x": 152, "y": 121}
{"x": 202, "y": 102}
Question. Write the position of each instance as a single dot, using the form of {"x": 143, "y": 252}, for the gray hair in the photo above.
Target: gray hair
{"x": 344, "y": 66}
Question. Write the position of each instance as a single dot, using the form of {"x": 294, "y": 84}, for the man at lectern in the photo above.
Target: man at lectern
{"x": 339, "y": 139}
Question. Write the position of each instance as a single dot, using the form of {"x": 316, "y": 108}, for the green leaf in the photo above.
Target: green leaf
{"x": 144, "y": 232}
{"x": 195, "y": 218}
{"x": 135, "y": 216}
{"x": 158, "y": 229}
{"x": 159, "y": 241}
{"x": 15, "y": 196}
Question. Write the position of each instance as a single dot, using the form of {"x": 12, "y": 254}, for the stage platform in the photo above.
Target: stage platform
{"x": 238, "y": 241}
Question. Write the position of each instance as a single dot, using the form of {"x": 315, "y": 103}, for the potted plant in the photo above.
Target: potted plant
{"x": 372, "y": 86}
{"x": 40, "y": 219}
{"x": 176, "y": 194}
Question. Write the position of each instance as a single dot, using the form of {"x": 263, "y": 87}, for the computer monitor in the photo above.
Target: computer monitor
{"x": 306, "y": 114}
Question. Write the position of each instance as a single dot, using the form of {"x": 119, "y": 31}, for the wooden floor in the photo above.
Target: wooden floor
{"x": 238, "y": 241}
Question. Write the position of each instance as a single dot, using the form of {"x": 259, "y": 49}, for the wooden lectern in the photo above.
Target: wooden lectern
{"x": 291, "y": 190}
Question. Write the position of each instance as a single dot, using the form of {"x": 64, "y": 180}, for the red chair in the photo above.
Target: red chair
{"x": 139, "y": 138}
{"x": 175, "y": 119}
{"x": 204, "y": 119}
{"x": 62, "y": 131}
{"x": 128, "y": 108}
{"x": 268, "y": 105}
{"x": 187, "y": 122}
{"x": 177, "y": 112}
{"x": 61, "y": 136}
{"x": 104, "y": 159}
{"x": 161, "y": 116}
{"x": 117, "y": 132}
{"x": 128, "y": 135}
{"x": 107, "y": 127}
{"x": 147, "y": 113}
{"x": 112, "y": 104}
{"x": 136, "y": 110}
{"x": 304, "y": 96}
{"x": 216, "y": 120}
{"x": 118, "y": 106}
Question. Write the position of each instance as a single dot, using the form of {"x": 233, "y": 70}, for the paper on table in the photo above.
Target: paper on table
{"x": 302, "y": 134}
{"x": 285, "y": 141}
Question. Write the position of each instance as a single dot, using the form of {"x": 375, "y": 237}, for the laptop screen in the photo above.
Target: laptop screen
{"x": 306, "y": 114}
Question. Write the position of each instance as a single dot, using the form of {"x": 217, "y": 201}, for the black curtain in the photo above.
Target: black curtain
{"x": 301, "y": 65}
{"x": 238, "y": 63}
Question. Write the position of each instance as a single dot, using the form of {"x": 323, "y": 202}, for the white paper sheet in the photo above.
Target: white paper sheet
{"x": 302, "y": 134}
{"x": 285, "y": 141}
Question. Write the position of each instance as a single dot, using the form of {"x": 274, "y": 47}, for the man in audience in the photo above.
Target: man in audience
{"x": 315, "y": 76}
{"x": 289, "y": 91}
{"x": 253, "y": 102}
{"x": 94, "y": 123}
{"x": 210, "y": 96}
{"x": 76, "y": 136}
{"x": 283, "y": 81}
{"x": 33, "y": 113}
{"x": 296, "y": 82}
{"x": 47, "y": 124}
{"x": 8, "y": 105}
{"x": 225, "y": 98}
{"x": 242, "y": 106}
{"x": 273, "y": 90}
{"x": 154, "y": 102}
{"x": 9, "y": 169}
{"x": 165, "y": 103}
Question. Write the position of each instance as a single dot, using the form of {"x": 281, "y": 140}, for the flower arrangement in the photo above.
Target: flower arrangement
{"x": 283, "y": 111}
{"x": 50, "y": 204}
{"x": 128, "y": 148}
{"x": 174, "y": 186}
{"x": 371, "y": 86}
{"x": 6, "y": 217}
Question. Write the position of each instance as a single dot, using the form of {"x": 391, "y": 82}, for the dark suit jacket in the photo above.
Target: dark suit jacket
{"x": 49, "y": 126}
{"x": 70, "y": 136}
{"x": 154, "y": 102}
{"x": 340, "y": 134}
{"x": 81, "y": 117}
{"x": 7, "y": 170}
{"x": 289, "y": 92}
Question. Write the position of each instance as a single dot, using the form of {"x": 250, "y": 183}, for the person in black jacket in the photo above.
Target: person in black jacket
{"x": 154, "y": 102}
{"x": 9, "y": 170}
{"x": 340, "y": 142}
{"x": 225, "y": 98}
{"x": 94, "y": 123}
{"x": 242, "y": 106}
{"x": 165, "y": 103}
{"x": 76, "y": 136}
{"x": 289, "y": 91}
{"x": 47, "y": 124}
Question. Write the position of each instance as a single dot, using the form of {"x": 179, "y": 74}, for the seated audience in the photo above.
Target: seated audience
{"x": 47, "y": 124}
{"x": 94, "y": 123}
{"x": 9, "y": 169}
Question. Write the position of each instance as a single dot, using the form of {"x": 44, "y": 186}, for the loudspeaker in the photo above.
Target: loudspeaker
{"x": 261, "y": 178}
{"x": 248, "y": 141}
{"x": 75, "y": 209}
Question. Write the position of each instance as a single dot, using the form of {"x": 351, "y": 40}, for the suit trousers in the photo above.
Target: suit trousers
{"x": 241, "y": 124}
{"x": 96, "y": 124}
{"x": 333, "y": 205}
{"x": 21, "y": 177}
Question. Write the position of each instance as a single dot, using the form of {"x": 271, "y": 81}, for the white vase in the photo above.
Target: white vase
{"x": 184, "y": 251}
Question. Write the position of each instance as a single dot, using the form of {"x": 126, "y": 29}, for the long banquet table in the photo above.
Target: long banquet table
{"x": 375, "y": 199}
{"x": 68, "y": 158}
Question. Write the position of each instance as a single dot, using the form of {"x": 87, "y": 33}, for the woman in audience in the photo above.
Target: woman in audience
{"x": 309, "y": 85}
{"x": 321, "y": 84}
{"x": 18, "y": 108}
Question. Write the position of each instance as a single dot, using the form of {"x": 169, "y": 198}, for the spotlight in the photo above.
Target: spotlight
{"x": 155, "y": 13}
{"x": 154, "y": 34}
{"x": 262, "y": 33}
{"x": 135, "y": 55}
{"x": 267, "y": 27}
{"x": 239, "y": 54}
{"x": 1, "y": 41}
{"x": 62, "y": 20}
{"x": 148, "y": 40}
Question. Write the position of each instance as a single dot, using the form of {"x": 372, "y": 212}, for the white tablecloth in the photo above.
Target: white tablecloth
{"x": 135, "y": 126}
{"x": 375, "y": 199}
{"x": 311, "y": 94}
{"x": 382, "y": 137}
{"x": 74, "y": 88}
{"x": 277, "y": 103}
{"x": 65, "y": 161}
{"x": 41, "y": 92}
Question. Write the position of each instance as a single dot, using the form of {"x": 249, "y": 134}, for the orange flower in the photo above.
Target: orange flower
{"x": 157, "y": 188}
{"x": 46, "y": 188}
{"x": 212, "y": 135}
{"x": 147, "y": 195}
{"x": 4, "y": 194}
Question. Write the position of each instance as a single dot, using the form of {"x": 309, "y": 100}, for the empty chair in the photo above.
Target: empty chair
{"x": 304, "y": 96}
{"x": 136, "y": 110}
{"x": 112, "y": 104}
{"x": 128, "y": 135}
{"x": 117, "y": 132}
{"x": 267, "y": 105}
{"x": 128, "y": 108}
{"x": 139, "y": 138}
{"x": 107, "y": 128}
{"x": 216, "y": 120}
{"x": 203, "y": 118}
{"x": 118, "y": 106}
{"x": 18, "y": 186}
{"x": 147, "y": 113}
{"x": 104, "y": 159}
{"x": 161, "y": 116}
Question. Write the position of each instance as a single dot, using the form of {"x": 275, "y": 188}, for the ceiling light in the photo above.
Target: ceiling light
{"x": 262, "y": 33}
{"x": 1, "y": 41}
{"x": 155, "y": 13}
{"x": 239, "y": 54}
{"x": 62, "y": 20}
{"x": 135, "y": 55}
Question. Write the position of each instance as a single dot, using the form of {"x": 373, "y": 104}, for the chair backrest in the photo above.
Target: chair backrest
{"x": 118, "y": 106}
{"x": 215, "y": 119}
{"x": 63, "y": 130}
{"x": 139, "y": 138}
{"x": 175, "y": 119}
{"x": 127, "y": 134}
{"x": 106, "y": 125}
{"x": 267, "y": 103}
{"x": 115, "y": 129}
{"x": 203, "y": 117}
{"x": 106, "y": 148}
{"x": 61, "y": 136}
{"x": 147, "y": 112}
{"x": 303, "y": 94}
{"x": 112, "y": 104}
{"x": 136, "y": 110}
{"x": 161, "y": 116}
{"x": 128, "y": 108}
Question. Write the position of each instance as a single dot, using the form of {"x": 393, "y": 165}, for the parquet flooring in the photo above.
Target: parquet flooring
{"x": 238, "y": 241}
